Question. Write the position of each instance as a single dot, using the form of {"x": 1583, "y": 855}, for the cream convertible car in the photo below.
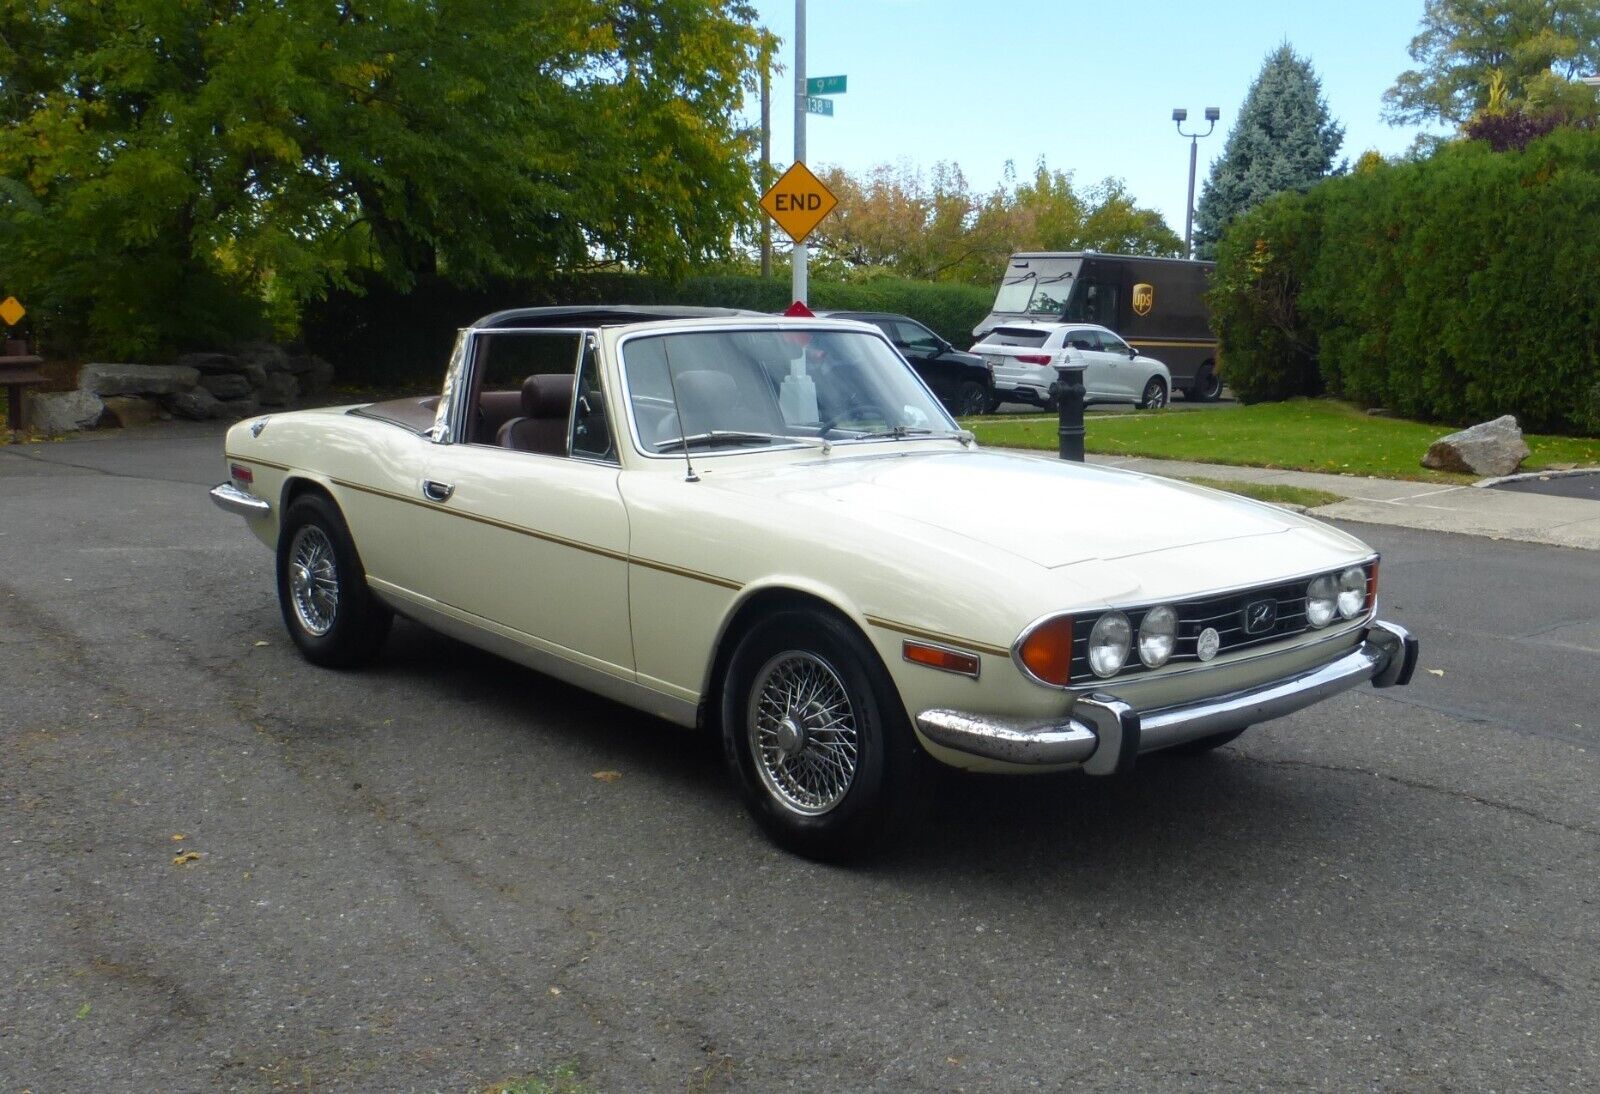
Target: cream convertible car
{"x": 770, "y": 528}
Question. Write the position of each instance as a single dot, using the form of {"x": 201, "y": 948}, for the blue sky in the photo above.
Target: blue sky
{"x": 1090, "y": 87}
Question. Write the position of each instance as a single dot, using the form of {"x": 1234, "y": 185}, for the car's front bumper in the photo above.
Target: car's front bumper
{"x": 1106, "y": 734}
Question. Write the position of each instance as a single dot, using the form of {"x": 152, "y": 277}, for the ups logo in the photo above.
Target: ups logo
{"x": 1144, "y": 298}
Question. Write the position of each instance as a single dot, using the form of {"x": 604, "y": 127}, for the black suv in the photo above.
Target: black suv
{"x": 963, "y": 382}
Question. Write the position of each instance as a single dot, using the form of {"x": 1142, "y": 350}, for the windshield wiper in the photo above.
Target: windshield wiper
{"x": 716, "y": 437}
{"x": 901, "y": 432}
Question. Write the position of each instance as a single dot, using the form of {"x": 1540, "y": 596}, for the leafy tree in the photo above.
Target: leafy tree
{"x": 1285, "y": 139}
{"x": 191, "y": 158}
{"x": 1535, "y": 48}
{"x": 938, "y": 229}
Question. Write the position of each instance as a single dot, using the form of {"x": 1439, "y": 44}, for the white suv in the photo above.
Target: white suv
{"x": 1025, "y": 355}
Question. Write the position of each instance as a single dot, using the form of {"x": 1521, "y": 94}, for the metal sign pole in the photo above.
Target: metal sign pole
{"x": 798, "y": 262}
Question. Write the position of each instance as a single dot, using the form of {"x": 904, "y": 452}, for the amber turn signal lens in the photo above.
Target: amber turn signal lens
{"x": 937, "y": 657}
{"x": 1046, "y": 651}
{"x": 1372, "y": 586}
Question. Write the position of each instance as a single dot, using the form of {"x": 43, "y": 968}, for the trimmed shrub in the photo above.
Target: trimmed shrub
{"x": 391, "y": 339}
{"x": 1456, "y": 288}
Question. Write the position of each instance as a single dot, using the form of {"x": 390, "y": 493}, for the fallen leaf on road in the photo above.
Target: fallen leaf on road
{"x": 608, "y": 776}
{"x": 1437, "y": 672}
{"x": 83, "y": 1011}
{"x": 177, "y": 837}
{"x": 555, "y": 991}
{"x": 263, "y": 643}
{"x": 185, "y": 858}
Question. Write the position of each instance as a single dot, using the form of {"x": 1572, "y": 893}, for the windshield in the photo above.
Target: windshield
{"x": 1036, "y": 286}
{"x": 762, "y": 388}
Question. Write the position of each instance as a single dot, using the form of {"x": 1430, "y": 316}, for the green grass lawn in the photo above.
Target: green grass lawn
{"x": 1270, "y": 491}
{"x": 1301, "y": 434}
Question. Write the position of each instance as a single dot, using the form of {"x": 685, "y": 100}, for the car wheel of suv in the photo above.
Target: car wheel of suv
{"x": 322, "y": 590}
{"x": 971, "y": 398}
{"x": 1207, "y": 386}
{"x": 1155, "y": 394}
{"x": 817, "y": 738}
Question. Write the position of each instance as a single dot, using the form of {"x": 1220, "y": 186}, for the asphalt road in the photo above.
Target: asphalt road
{"x": 410, "y": 879}
{"x": 1586, "y": 485}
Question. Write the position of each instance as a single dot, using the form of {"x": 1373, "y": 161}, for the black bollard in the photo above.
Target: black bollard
{"x": 1069, "y": 405}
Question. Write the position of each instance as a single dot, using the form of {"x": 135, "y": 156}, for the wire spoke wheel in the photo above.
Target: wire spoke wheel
{"x": 314, "y": 579}
{"x": 802, "y": 732}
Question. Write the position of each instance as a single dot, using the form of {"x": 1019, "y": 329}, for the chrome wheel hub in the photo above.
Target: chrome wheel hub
{"x": 313, "y": 580}
{"x": 802, "y": 732}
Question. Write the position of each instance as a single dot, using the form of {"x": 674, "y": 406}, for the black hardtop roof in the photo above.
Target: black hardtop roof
{"x": 604, "y": 315}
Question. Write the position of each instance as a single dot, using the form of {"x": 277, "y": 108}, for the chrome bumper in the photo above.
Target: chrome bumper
{"x": 230, "y": 499}
{"x": 1106, "y": 735}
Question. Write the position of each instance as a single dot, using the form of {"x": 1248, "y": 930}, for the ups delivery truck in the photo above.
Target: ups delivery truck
{"x": 1157, "y": 305}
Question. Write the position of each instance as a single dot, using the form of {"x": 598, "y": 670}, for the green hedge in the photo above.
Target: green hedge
{"x": 1456, "y": 288}
{"x": 396, "y": 339}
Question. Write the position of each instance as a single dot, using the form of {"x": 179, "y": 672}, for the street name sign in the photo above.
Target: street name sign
{"x": 825, "y": 85}
{"x": 820, "y": 106}
{"x": 798, "y": 202}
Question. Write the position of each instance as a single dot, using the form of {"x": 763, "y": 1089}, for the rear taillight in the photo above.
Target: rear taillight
{"x": 241, "y": 474}
{"x": 1034, "y": 358}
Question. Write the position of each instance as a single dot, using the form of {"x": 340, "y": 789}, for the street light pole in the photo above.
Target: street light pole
{"x": 797, "y": 271}
{"x": 1179, "y": 116}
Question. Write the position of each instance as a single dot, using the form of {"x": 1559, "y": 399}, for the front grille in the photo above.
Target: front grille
{"x": 1224, "y": 612}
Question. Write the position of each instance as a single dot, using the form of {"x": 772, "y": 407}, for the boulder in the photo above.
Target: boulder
{"x": 130, "y": 410}
{"x": 279, "y": 390}
{"x": 255, "y": 374}
{"x": 235, "y": 409}
{"x": 114, "y": 379}
{"x": 197, "y": 404}
{"x": 1488, "y": 448}
{"x": 62, "y": 411}
{"x": 226, "y": 385}
{"x": 264, "y": 355}
{"x": 302, "y": 363}
{"x": 209, "y": 362}
{"x": 318, "y": 379}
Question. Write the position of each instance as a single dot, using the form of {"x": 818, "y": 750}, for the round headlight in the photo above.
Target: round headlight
{"x": 1109, "y": 643}
{"x": 1321, "y": 600}
{"x": 1158, "y": 633}
{"x": 1352, "y": 592}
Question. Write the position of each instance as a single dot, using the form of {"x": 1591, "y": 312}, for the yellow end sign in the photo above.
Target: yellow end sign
{"x": 798, "y": 202}
{"x": 12, "y": 311}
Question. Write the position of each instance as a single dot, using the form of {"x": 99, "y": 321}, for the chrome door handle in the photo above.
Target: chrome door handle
{"x": 437, "y": 491}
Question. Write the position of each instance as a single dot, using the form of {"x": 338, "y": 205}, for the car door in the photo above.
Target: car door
{"x": 1097, "y": 375}
{"x": 1121, "y": 376}
{"x": 530, "y": 536}
{"x": 921, "y": 347}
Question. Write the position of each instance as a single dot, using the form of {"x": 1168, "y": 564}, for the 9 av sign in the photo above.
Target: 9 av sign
{"x": 798, "y": 202}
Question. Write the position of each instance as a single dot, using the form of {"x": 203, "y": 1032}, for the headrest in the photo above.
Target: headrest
{"x": 548, "y": 395}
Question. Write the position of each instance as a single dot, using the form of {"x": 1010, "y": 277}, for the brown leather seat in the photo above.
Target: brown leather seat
{"x": 546, "y": 409}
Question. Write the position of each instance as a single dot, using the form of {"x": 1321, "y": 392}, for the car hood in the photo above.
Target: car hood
{"x": 1052, "y": 513}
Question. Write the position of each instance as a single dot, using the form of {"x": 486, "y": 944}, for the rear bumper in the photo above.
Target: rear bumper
{"x": 1106, "y": 735}
{"x": 230, "y": 499}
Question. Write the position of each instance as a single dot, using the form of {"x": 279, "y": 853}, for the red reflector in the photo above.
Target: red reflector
{"x": 937, "y": 657}
{"x": 241, "y": 473}
{"x": 798, "y": 310}
{"x": 1034, "y": 358}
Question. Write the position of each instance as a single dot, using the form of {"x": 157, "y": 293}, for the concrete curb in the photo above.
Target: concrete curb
{"x": 1528, "y": 476}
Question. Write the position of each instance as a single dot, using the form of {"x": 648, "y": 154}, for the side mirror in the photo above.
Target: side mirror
{"x": 1132, "y": 353}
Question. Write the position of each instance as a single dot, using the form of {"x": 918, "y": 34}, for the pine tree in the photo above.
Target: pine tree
{"x": 1285, "y": 139}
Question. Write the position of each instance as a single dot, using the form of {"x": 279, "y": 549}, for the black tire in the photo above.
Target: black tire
{"x": 1205, "y": 744}
{"x": 1155, "y": 394}
{"x": 1207, "y": 386}
{"x": 804, "y": 806}
{"x": 994, "y": 404}
{"x": 971, "y": 398}
{"x": 342, "y": 631}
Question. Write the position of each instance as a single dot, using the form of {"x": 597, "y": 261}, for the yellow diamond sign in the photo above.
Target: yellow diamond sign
{"x": 11, "y": 311}
{"x": 798, "y": 202}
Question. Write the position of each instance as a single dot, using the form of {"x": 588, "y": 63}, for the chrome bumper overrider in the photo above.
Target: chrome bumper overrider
{"x": 230, "y": 499}
{"x": 1105, "y": 734}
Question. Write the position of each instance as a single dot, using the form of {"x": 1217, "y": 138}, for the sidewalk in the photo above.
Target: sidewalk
{"x": 1468, "y": 510}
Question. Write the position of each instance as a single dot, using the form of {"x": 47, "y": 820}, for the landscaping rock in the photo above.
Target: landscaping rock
{"x": 318, "y": 379}
{"x": 227, "y": 385}
{"x": 235, "y": 409}
{"x": 115, "y": 379}
{"x": 254, "y": 373}
{"x": 130, "y": 410}
{"x": 279, "y": 390}
{"x": 264, "y": 355}
{"x": 1488, "y": 448}
{"x": 62, "y": 411}
{"x": 301, "y": 363}
{"x": 197, "y": 405}
{"x": 209, "y": 362}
